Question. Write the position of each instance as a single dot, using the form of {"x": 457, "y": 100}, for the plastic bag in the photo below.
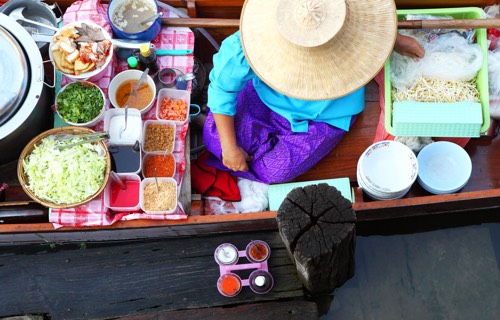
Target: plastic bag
{"x": 494, "y": 82}
{"x": 448, "y": 57}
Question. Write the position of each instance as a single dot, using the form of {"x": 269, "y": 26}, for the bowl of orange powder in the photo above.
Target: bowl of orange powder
{"x": 164, "y": 164}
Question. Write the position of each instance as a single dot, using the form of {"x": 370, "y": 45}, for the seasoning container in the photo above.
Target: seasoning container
{"x": 260, "y": 281}
{"x": 133, "y": 63}
{"x": 125, "y": 200}
{"x": 114, "y": 123}
{"x": 125, "y": 158}
{"x": 173, "y": 105}
{"x": 163, "y": 163}
{"x": 226, "y": 254}
{"x": 229, "y": 284}
{"x": 257, "y": 251}
{"x": 158, "y": 135}
{"x": 147, "y": 58}
{"x": 158, "y": 195}
{"x": 165, "y": 78}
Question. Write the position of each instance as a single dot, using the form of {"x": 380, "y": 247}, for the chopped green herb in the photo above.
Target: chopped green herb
{"x": 79, "y": 102}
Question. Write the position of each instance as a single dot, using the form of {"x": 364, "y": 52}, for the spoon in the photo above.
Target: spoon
{"x": 156, "y": 181}
{"x": 153, "y": 18}
{"x": 125, "y": 127}
{"x": 118, "y": 180}
{"x": 17, "y": 14}
{"x": 141, "y": 80}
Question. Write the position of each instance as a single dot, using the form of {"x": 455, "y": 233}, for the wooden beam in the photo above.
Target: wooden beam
{"x": 409, "y": 24}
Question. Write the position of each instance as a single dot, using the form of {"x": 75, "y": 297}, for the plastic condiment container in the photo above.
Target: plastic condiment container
{"x": 151, "y": 181}
{"x": 114, "y": 122}
{"x": 260, "y": 281}
{"x": 257, "y": 251}
{"x": 123, "y": 200}
{"x": 125, "y": 158}
{"x": 229, "y": 284}
{"x": 169, "y": 158}
{"x": 175, "y": 95}
{"x": 169, "y": 124}
{"x": 226, "y": 254}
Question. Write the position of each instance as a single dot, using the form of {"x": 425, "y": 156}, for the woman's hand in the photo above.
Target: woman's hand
{"x": 235, "y": 158}
{"x": 408, "y": 46}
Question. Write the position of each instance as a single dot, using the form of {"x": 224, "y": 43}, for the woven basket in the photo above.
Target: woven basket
{"x": 23, "y": 179}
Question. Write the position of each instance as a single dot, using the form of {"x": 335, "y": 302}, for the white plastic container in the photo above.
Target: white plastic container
{"x": 170, "y": 124}
{"x": 133, "y": 131}
{"x": 175, "y": 95}
{"x": 107, "y": 193}
{"x": 147, "y": 181}
{"x": 124, "y": 158}
{"x": 147, "y": 156}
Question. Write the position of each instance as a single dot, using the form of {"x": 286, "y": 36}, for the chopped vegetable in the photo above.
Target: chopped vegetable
{"x": 79, "y": 102}
{"x": 171, "y": 109}
{"x": 65, "y": 176}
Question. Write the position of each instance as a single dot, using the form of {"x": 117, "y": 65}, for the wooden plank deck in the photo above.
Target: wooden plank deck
{"x": 110, "y": 280}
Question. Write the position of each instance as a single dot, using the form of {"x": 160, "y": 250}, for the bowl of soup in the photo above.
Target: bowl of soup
{"x": 125, "y": 17}
{"x": 122, "y": 86}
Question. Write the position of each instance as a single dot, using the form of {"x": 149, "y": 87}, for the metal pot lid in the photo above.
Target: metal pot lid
{"x": 14, "y": 75}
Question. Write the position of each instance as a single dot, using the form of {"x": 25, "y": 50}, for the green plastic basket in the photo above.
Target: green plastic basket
{"x": 424, "y": 122}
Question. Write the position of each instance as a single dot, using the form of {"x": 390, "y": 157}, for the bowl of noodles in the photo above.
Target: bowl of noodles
{"x": 81, "y": 50}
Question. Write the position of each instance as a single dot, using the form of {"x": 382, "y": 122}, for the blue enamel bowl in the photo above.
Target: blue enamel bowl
{"x": 146, "y": 35}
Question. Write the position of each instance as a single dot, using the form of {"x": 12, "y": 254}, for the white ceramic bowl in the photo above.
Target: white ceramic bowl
{"x": 98, "y": 72}
{"x": 444, "y": 167}
{"x": 388, "y": 167}
{"x": 125, "y": 76}
{"x": 92, "y": 122}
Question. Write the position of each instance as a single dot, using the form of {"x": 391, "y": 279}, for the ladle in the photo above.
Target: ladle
{"x": 17, "y": 14}
{"x": 153, "y": 18}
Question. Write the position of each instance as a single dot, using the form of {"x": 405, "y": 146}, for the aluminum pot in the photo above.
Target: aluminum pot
{"x": 37, "y": 11}
{"x": 24, "y": 98}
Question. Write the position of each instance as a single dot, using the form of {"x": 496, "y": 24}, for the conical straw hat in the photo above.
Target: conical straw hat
{"x": 317, "y": 49}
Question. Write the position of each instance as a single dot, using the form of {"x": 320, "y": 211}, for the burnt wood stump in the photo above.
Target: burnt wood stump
{"x": 317, "y": 225}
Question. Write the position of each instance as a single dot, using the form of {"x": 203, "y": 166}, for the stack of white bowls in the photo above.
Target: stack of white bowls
{"x": 386, "y": 170}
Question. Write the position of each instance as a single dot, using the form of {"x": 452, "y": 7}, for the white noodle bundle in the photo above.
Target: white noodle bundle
{"x": 427, "y": 90}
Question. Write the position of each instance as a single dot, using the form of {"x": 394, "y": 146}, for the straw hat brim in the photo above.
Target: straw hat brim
{"x": 339, "y": 67}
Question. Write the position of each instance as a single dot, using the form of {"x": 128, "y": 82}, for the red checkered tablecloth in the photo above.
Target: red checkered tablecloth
{"x": 95, "y": 213}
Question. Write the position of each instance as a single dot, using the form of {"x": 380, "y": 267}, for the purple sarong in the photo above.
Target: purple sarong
{"x": 279, "y": 154}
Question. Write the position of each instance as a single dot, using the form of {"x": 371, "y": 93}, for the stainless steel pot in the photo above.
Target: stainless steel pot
{"x": 37, "y": 11}
{"x": 24, "y": 99}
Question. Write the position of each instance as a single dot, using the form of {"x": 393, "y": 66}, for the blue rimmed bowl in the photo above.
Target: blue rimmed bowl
{"x": 118, "y": 20}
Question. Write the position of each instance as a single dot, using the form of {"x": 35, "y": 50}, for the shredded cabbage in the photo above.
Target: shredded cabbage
{"x": 65, "y": 176}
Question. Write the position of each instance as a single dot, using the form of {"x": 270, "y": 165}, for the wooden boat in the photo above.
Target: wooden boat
{"x": 28, "y": 221}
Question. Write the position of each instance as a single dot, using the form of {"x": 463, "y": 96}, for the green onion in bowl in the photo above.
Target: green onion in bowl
{"x": 80, "y": 103}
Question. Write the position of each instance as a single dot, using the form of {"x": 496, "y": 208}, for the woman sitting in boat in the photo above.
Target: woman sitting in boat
{"x": 286, "y": 88}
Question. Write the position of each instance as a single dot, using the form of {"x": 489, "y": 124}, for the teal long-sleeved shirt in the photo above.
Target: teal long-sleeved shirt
{"x": 231, "y": 72}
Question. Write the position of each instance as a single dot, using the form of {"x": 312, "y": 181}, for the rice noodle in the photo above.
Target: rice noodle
{"x": 433, "y": 90}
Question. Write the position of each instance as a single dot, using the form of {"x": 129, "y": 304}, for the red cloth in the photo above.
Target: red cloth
{"x": 212, "y": 182}
{"x": 382, "y": 134}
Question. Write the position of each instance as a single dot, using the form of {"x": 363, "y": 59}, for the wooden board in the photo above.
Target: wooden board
{"x": 84, "y": 280}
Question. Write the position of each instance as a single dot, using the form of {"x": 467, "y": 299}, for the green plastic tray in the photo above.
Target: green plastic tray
{"x": 278, "y": 192}
{"x": 446, "y": 128}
